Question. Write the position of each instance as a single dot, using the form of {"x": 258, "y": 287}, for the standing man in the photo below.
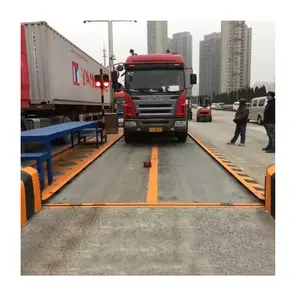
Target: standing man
{"x": 241, "y": 120}
{"x": 269, "y": 122}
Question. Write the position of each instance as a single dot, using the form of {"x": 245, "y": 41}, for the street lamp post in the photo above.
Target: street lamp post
{"x": 110, "y": 47}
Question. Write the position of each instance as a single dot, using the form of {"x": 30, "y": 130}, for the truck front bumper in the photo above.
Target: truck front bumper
{"x": 167, "y": 126}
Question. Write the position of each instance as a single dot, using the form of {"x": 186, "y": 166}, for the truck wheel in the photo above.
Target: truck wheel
{"x": 182, "y": 136}
{"x": 67, "y": 138}
{"x": 128, "y": 137}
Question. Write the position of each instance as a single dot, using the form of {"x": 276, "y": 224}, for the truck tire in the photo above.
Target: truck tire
{"x": 67, "y": 138}
{"x": 182, "y": 136}
{"x": 128, "y": 137}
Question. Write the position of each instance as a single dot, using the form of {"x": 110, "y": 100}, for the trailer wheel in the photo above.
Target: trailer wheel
{"x": 182, "y": 136}
{"x": 67, "y": 138}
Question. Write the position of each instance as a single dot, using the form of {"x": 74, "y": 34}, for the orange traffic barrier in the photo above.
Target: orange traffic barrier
{"x": 31, "y": 201}
{"x": 270, "y": 190}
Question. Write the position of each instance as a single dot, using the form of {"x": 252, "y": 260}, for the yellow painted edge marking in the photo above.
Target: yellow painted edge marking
{"x": 50, "y": 190}
{"x": 153, "y": 177}
{"x": 154, "y": 206}
{"x": 23, "y": 204}
{"x": 229, "y": 169}
{"x": 143, "y": 204}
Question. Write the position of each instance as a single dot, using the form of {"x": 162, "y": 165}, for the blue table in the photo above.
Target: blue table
{"x": 50, "y": 133}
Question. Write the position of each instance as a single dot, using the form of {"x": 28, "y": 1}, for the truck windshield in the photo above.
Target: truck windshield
{"x": 154, "y": 81}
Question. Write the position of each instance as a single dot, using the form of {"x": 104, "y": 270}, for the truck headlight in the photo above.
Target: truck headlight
{"x": 180, "y": 124}
{"x": 130, "y": 124}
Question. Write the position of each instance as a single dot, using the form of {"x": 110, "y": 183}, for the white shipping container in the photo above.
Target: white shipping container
{"x": 60, "y": 73}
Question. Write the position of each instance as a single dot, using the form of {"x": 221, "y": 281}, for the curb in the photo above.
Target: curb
{"x": 31, "y": 201}
{"x": 270, "y": 190}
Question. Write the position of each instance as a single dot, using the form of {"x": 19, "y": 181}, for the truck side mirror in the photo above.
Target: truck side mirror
{"x": 120, "y": 68}
{"x": 193, "y": 79}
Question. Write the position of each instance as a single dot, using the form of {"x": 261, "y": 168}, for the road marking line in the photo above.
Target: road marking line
{"x": 253, "y": 186}
{"x": 158, "y": 206}
{"x": 153, "y": 177}
{"x": 153, "y": 205}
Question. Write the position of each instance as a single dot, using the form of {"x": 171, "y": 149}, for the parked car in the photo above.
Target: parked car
{"x": 220, "y": 106}
{"x": 213, "y": 106}
{"x": 256, "y": 109}
{"x": 228, "y": 107}
{"x": 235, "y": 106}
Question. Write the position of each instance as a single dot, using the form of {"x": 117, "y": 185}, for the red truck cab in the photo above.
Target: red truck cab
{"x": 155, "y": 95}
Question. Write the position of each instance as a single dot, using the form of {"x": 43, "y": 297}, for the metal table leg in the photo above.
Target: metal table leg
{"x": 72, "y": 140}
{"x": 49, "y": 163}
{"x": 97, "y": 136}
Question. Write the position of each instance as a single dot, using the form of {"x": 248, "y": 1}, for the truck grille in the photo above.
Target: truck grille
{"x": 154, "y": 110}
{"x": 155, "y": 122}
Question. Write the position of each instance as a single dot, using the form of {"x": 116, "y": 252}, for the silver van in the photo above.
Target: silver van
{"x": 256, "y": 109}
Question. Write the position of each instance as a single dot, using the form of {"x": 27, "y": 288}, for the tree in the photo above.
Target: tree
{"x": 263, "y": 91}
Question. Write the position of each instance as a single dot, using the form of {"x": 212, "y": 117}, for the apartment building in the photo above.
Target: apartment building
{"x": 157, "y": 36}
{"x": 236, "y": 45}
{"x": 209, "y": 64}
{"x": 182, "y": 43}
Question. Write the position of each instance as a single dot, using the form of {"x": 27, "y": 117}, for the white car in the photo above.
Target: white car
{"x": 236, "y": 106}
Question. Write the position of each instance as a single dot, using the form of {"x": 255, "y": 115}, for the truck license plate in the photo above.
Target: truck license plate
{"x": 155, "y": 129}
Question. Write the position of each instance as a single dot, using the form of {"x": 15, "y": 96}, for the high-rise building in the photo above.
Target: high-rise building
{"x": 182, "y": 43}
{"x": 170, "y": 44}
{"x": 209, "y": 68}
{"x": 236, "y": 45}
{"x": 157, "y": 35}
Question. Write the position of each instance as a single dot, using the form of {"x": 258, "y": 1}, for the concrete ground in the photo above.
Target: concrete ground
{"x": 251, "y": 159}
{"x": 144, "y": 241}
{"x": 150, "y": 241}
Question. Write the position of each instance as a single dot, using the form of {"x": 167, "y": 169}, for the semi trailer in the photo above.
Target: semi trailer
{"x": 57, "y": 79}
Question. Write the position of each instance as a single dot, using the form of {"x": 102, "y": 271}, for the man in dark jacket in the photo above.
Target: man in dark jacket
{"x": 241, "y": 120}
{"x": 269, "y": 122}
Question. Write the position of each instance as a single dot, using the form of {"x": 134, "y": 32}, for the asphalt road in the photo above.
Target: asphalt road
{"x": 150, "y": 241}
{"x": 251, "y": 159}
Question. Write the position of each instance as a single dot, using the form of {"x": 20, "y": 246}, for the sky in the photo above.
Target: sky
{"x": 91, "y": 37}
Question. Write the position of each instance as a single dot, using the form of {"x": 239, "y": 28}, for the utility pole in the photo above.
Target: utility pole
{"x": 111, "y": 60}
{"x": 104, "y": 55}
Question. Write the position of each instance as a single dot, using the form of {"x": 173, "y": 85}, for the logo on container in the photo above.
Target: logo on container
{"x": 75, "y": 73}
